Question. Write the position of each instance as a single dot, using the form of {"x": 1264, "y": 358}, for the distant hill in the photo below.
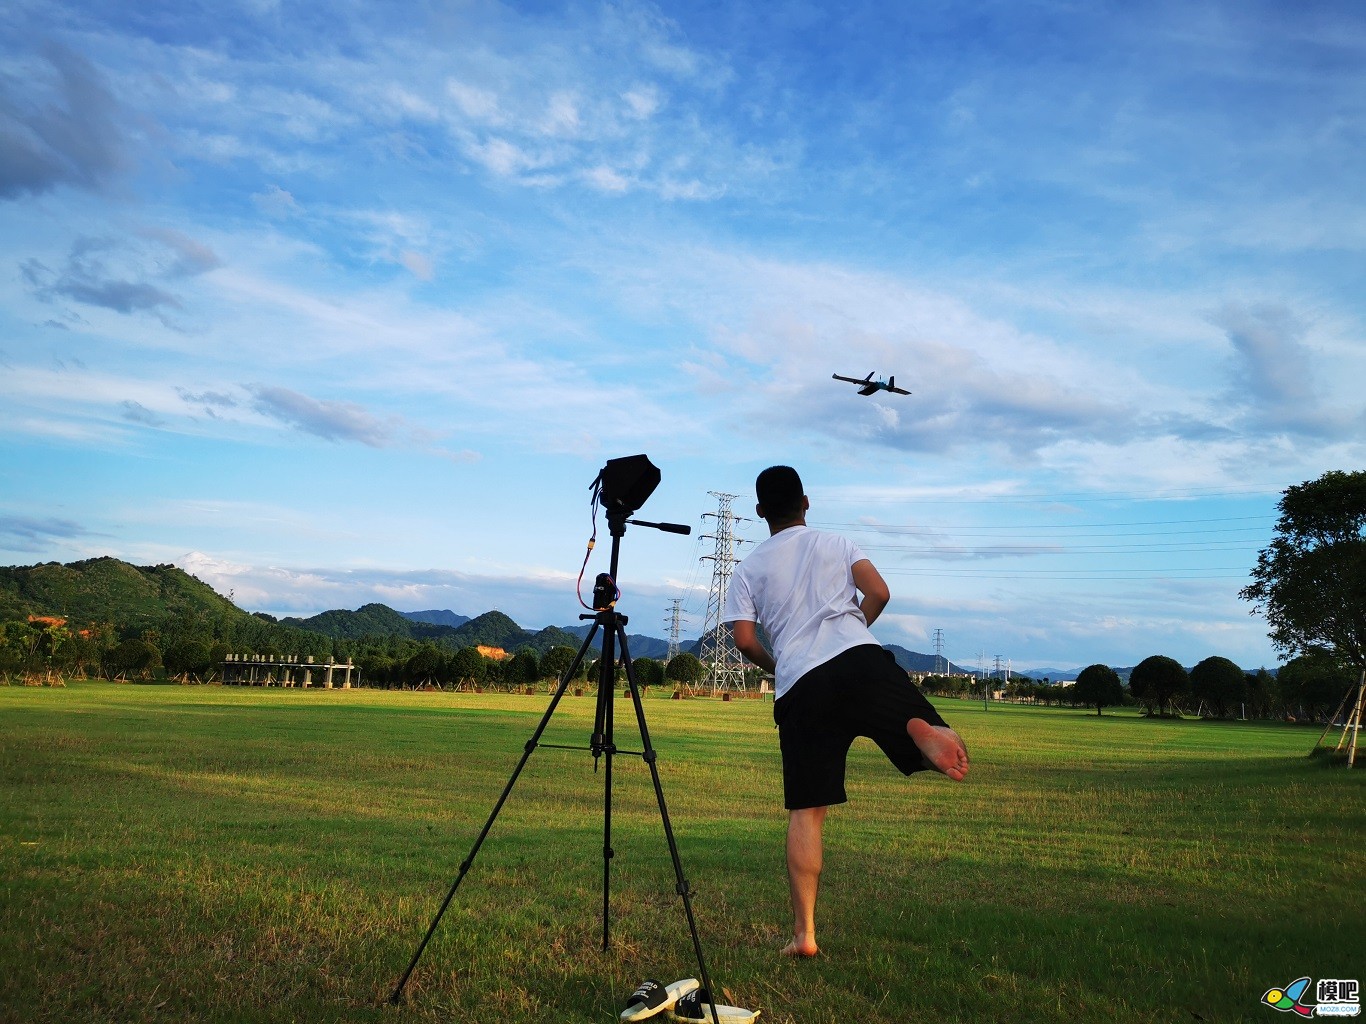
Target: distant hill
{"x": 641, "y": 646}
{"x": 136, "y": 598}
{"x": 441, "y": 617}
{"x": 367, "y": 621}
{"x": 914, "y": 661}
{"x": 98, "y": 590}
{"x": 376, "y": 621}
{"x": 1063, "y": 675}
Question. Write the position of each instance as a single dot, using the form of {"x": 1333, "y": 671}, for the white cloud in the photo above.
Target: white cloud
{"x": 276, "y": 202}
{"x": 326, "y": 418}
{"x": 475, "y": 103}
{"x": 420, "y": 265}
{"x": 562, "y": 115}
{"x": 501, "y": 157}
{"x": 642, "y": 101}
{"x": 606, "y": 180}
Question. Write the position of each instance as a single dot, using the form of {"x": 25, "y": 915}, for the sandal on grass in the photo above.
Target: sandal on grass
{"x": 652, "y": 998}
{"x": 696, "y": 1007}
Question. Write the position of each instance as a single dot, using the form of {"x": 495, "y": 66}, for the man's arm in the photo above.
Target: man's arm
{"x": 746, "y": 636}
{"x": 873, "y": 588}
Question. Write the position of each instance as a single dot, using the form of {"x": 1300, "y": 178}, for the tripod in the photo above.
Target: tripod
{"x": 602, "y": 745}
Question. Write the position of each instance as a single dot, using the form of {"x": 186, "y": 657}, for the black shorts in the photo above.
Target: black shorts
{"x": 860, "y": 692}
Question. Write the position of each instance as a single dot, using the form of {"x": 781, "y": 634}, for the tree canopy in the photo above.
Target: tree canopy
{"x": 1098, "y": 685}
{"x": 684, "y": 668}
{"x": 1310, "y": 581}
{"x": 1315, "y": 682}
{"x": 1219, "y": 683}
{"x": 1156, "y": 680}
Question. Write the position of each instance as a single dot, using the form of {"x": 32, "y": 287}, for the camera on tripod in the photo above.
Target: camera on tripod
{"x": 621, "y": 487}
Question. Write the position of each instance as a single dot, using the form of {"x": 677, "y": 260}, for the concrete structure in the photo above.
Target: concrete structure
{"x": 285, "y": 670}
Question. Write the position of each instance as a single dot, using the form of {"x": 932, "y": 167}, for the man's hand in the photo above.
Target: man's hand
{"x": 746, "y": 636}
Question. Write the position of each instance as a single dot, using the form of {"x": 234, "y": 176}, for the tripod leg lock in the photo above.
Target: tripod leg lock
{"x": 608, "y": 853}
{"x": 682, "y": 888}
{"x": 650, "y": 757}
{"x": 529, "y": 746}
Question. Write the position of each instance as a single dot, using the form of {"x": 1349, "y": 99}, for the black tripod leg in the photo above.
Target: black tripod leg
{"x": 651, "y": 758}
{"x": 603, "y": 741}
{"x": 468, "y": 861}
{"x": 607, "y": 852}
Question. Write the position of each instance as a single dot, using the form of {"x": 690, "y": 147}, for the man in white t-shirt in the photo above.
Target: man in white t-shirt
{"x": 832, "y": 680}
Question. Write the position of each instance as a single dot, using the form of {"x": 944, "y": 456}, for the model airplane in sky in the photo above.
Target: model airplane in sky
{"x": 868, "y": 386}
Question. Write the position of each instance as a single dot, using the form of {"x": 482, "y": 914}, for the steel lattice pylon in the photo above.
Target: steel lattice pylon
{"x": 725, "y": 667}
{"x": 674, "y": 622}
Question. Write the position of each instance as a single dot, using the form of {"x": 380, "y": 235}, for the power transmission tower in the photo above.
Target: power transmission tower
{"x": 673, "y": 621}
{"x": 725, "y": 668}
{"x": 939, "y": 652}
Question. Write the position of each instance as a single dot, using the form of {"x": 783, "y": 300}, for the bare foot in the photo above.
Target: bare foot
{"x": 801, "y": 947}
{"x": 941, "y": 747}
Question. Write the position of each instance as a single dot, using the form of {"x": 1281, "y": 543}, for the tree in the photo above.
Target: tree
{"x": 557, "y": 661}
{"x": 132, "y": 658}
{"x": 649, "y": 672}
{"x": 684, "y": 668}
{"x": 1263, "y": 693}
{"x": 1219, "y": 683}
{"x": 376, "y": 667}
{"x": 1099, "y": 685}
{"x": 424, "y": 666}
{"x": 1156, "y": 680}
{"x": 188, "y": 658}
{"x": 18, "y": 641}
{"x": 467, "y": 665}
{"x": 523, "y": 668}
{"x": 1310, "y": 582}
{"x": 1314, "y": 683}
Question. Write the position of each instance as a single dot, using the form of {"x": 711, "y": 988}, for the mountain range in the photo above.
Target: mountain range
{"x": 135, "y": 598}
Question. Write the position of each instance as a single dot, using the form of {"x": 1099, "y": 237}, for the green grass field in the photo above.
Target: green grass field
{"x": 208, "y": 853}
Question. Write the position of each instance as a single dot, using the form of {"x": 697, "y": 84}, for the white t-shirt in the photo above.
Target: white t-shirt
{"x": 799, "y": 584}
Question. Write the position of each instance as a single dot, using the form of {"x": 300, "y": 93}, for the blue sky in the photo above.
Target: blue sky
{"x": 337, "y": 303}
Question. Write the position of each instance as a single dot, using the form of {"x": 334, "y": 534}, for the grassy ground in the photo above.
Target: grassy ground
{"x": 218, "y": 854}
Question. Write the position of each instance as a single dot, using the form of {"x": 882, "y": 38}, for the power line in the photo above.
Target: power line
{"x": 866, "y": 527}
{"x": 1076, "y": 497}
{"x": 1089, "y": 575}
{"x": 998, "y": 550}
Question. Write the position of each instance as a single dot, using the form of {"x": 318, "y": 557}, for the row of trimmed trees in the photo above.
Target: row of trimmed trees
{"x": 1310, "y": 686}
{"x": 191, "y": 648}
{"x": 50, "y": 648}
{"x": 430, "y": 665}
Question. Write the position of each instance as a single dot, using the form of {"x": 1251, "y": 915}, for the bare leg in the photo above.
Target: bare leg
{"x": 804, "y": 858}
{"x": 941, "y": 747}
